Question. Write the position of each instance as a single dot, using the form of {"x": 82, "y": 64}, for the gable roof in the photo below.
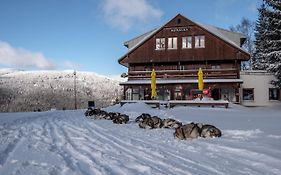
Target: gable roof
{"x": 233, "y": 38}
{"x": 132, "y": 42}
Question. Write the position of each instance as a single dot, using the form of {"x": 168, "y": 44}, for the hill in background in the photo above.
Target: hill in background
{"x": 44, "y": 90}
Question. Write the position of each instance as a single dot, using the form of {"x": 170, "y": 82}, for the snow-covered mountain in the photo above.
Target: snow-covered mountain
{"x": 43, "y": 90}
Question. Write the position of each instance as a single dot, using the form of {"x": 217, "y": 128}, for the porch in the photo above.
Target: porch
{"x": 172, "y": 103}
{"x": 168, "y": 90}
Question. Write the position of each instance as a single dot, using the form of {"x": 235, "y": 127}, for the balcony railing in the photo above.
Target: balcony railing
{"x": 183, "y": 74}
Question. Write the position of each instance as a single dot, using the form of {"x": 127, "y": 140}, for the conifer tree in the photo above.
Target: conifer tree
{"x": 259, "y": 59}
{"x": 267, "y": 55}
{"x": 274, "y": 35}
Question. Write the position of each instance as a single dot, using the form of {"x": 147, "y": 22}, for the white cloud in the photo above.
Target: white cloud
{"x": 125, "y": 13}
{"x": 21, "y": 58}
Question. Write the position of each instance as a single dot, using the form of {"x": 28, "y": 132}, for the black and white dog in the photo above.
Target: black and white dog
{"x": 210, "y": 131}
{"x": 121, "y": 119}
{"x": 195, "y": 130}
{"x": 100, "y": 114}
{"x": 142, "y": 117}
{"x": 171, "y": 123}
{"x": 148, "y": 122}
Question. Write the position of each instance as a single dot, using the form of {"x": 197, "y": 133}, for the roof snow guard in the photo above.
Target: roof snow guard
{"x": 233, "y": 38}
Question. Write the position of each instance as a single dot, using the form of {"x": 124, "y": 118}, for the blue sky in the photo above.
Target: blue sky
{"x": 88, "y": 35}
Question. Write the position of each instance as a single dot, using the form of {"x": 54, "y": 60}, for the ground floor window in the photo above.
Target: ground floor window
{"x": 273, "y": 94}
{"x": 128, "y": 94}
{"x": 228, "y": 94}
{"x": 248, "y": 94}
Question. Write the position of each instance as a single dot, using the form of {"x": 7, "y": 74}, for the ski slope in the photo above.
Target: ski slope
{"x": 66, "y": 142}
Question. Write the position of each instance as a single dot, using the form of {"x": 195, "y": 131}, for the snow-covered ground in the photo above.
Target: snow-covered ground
{"x": 66, "y": 142}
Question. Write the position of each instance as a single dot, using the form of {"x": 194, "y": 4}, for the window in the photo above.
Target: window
{"x": 181, "y": 67}
{"x": 248, "y": 94}
{"x": 273, "y": 94}
{"x": 199, "y": 41}
{"x": 187, "y": 42}
{"x": 216, "y": 66}
{"x": 172, "y": 43}
{"x": 160, "y": 43}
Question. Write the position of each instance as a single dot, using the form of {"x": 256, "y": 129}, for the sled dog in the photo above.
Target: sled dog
{"x": 120, "y": 119}
{"x": 171, "y": 123}
{"x": 210, "y": 131}
{"x": 142, "y": 117}
{"x": 190, "y": 130}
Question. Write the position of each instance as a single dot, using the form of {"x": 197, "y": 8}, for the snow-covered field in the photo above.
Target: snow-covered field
{"x": 66, "y": 142}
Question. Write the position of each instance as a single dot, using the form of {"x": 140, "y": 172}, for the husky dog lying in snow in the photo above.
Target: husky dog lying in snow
{"x": 142, "y": 117}
{"x": 190, "y": 130}
{"x": 111, "y": 115}
{"x": 195, "y": 130}
{"x": 100, "y": 114}
{"x": 147, "y": 122}
{"x": 171, "y": 123}
{"x": 120, "y": 119}
{"x": 210, "y": 131}
{"x": 96, "y": 113}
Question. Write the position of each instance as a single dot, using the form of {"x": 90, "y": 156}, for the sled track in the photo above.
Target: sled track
{"x": 69, "y": 143}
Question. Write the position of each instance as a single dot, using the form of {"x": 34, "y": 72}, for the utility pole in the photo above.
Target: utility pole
{"x": 75, "y": 99}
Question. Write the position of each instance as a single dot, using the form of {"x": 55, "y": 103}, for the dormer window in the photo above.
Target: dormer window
{"x": 200, "y": 41}
{"x": 160, "y": 43}
{"x": 172, "y": 43}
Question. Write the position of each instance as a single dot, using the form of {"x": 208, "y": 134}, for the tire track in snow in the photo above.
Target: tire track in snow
{"x": 155, "y": 160}
{"x": 253, "y": 161}
{"x": 87, "y": 152}
{"x": 61, "y": 147}
{"x": 10, "y": 147}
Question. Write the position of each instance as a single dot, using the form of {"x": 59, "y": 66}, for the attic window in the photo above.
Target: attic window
{"x": 160, "y": 43}
{"x": 200, "y": 41}
{"x": 179, "y": 21}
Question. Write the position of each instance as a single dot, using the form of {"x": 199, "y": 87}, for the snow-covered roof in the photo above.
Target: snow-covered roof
{"x": 232, "y": 38}
{"x": 181, "y": 81}
{"x": 139, "y": 39}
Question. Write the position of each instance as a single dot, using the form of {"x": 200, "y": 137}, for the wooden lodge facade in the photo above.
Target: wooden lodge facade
{"x": 176, "y": 51}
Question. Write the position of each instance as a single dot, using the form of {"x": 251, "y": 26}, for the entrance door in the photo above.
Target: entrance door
{"x": 216, "y": 94}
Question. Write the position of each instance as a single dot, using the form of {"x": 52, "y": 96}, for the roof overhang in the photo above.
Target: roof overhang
{"x": 180, "y": 81}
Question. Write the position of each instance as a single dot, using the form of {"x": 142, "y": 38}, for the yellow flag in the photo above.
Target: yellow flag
{"x": 153, "y": 84}
{"x": 200, "y": 79}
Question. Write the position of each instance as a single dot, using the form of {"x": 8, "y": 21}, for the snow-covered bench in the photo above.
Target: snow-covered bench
{"x": 149, "y": 102}
{"x": 199, "y": 103}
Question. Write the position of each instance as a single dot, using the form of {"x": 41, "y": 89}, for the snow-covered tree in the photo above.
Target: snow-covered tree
{"x": 267, "y": 55}
{"x": 259, "y": 59}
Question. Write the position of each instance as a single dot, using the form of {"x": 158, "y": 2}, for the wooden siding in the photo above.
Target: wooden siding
{"x": 215, "y": 47}
{"x": 186, "y": 70}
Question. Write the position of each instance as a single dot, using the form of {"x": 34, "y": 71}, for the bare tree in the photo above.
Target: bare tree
{"x": 247, "y": 28}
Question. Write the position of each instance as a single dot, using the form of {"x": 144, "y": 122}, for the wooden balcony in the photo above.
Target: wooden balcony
{"x": 185, "y": 74}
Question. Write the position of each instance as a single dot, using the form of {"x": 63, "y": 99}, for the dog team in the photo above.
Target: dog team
{"x": 146, "y": 121}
